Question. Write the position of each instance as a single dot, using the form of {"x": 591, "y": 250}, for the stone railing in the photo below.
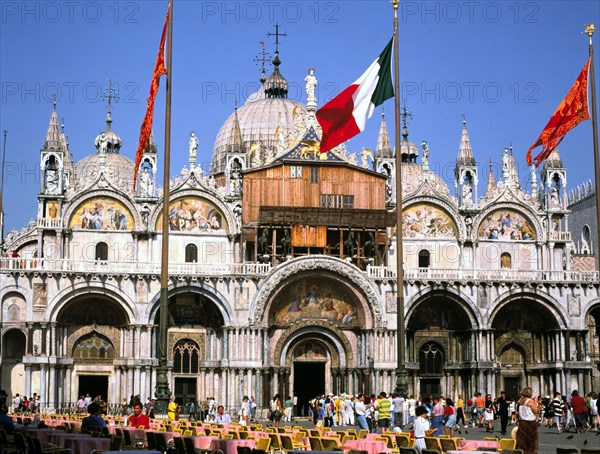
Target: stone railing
{"x": 535, "y": 276}
{"x": 49, "y": 223}
{"x": 108, "y": 267}
{"x": 559, "y": 236}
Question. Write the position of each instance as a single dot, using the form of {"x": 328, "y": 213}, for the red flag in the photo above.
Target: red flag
{"x": 146, "y": 129}
{"x": 572, "y": 111}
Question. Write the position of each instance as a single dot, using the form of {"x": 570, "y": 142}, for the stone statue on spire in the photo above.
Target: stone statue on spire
{"x": 311, "y": 83}
{"x": 193, "y": 148}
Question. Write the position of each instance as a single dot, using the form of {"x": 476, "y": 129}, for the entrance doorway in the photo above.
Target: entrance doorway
{"x": 185, "y": 390}
{"x": 309, "y": 380}
{"x": 511, "y": 386}
{"x": 430, "y": 386}
{"x": 94, "y": 385}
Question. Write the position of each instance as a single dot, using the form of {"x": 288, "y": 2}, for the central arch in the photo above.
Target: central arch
{"x": 314, "y": 352}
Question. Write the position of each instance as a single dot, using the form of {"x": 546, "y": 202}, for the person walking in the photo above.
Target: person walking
{"x": 502, "y": 404}
{"x": 276, "y": 410}
{"x": 558, "y": 406}
{"x": 398, "y": 407}
{"x": 361, "y": 412}
{"x": 527, "y": 433}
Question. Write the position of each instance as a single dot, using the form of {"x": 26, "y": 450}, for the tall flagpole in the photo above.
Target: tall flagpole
{"x": 401, "y": 375}
{"x": 2, "y": 191}
{"x": 589, "y": 30}
{"x": 162, "y": 392}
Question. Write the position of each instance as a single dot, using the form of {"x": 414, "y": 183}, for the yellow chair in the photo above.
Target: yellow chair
{"x": 227, "y": 437}
{"x": 448, "y": 444}
{"x": 402, "y": 440}
{"x": 362, "y": 434}
{"x": 490, "y": 438}
{"x": 315, "y": 444}
{"x": 275, "y": 442}
{"x": 507, "y": 443}
{"x": 188, "y": 433}
{"x": 330, "y": 444}
{"x": 432, "y": 443}
{"x": 263, "y": 444}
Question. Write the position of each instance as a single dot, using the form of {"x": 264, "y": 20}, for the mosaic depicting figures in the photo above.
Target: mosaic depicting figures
{"x": 193, "y": 214}
{"x": 315, "y": 299}
{"x": 427, "y": 221}
{"x": 100, "y": 213}
{"x": 506, "y": 225}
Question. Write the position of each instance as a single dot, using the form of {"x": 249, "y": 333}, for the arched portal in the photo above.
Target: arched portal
{"x": 96, "y": 327}
{"x": 13, "y": 371}
{"x": 195, "y": 323}
{"x": 527, "y": 339}
{"x": 439, "y": 333}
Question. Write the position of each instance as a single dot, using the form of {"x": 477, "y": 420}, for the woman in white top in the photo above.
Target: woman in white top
{"x": 527, "y": 434}
{"x": 594, "y": 410}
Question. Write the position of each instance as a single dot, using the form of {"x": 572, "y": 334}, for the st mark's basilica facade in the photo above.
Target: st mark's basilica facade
{"x": 282, "y": 270}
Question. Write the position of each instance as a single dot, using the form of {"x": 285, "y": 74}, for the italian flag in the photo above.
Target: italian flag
{"x": 345, "y": 115}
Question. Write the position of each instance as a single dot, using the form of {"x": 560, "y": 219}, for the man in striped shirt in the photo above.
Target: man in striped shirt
{"x": 557, "y": 406}
{"x": 384, "y": 406}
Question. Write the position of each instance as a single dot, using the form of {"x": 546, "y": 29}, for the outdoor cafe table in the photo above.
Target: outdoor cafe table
{"x": 40, "y": 434}
{"x": 82, "y": 445}
{"x": 472, "y": 445}
{"x": 230, "y": 446}
{"x": 371, "y": 446}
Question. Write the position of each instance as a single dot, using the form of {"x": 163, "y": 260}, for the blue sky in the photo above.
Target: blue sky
{"x": 506, "y": 65}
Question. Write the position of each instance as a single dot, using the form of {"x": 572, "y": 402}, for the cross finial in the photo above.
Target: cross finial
{"x": 464, "y": 120}
{"x": 277, "y": 35}
{"x": 406, "y": 114}
{"x": 110, "y": 94}
{"x": 262, "y": 59}
{"x": 54, "y": 100}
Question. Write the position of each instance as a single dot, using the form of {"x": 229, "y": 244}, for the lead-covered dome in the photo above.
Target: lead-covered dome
{"x": 118, "y": 170}
{"x": 259, "y": 120}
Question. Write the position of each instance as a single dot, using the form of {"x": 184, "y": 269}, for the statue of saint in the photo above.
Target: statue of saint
{"x": 467, "y": 192}
{"x": 533, "y": 174}
{"x": 146, "y": 188}
{"x": 193, "y": 145}
{"x": 102, "y": 143}
{"x": 311, "y": 83}
{"x": 505, "y": 163}
{"x": 425, "y": 151}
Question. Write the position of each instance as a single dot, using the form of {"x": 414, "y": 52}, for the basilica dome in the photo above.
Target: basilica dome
{"x": 258, "y": 122}
{"x": 119, "y": 170}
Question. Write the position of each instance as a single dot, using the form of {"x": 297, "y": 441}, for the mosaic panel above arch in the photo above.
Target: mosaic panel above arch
{"x": 506, "y": 224}
{"x": 101, "y": 213}
{"x": 193, "y": 214}
{"x": 316, "y": 298}
{"x": 425, "y": 220}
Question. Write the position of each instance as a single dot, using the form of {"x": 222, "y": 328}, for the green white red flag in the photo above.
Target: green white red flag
{"x": 146, "y": 129}
{"x": 346, "y": 115}
{"x": 571, "y": 111}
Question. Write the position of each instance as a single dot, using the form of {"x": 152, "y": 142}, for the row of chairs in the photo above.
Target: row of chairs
{"x": 570, "y": 450}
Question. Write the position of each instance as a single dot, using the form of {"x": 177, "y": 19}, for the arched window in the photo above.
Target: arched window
{"x": 431, "y": 359}
{"x": 505, "y": 261}
{"x": 94, "y": 346}
{"x": 424, "y": 258}
{"x": 191, "y": 253}
{"x": 101, "y": 251}
{"x": 186, "y": 357}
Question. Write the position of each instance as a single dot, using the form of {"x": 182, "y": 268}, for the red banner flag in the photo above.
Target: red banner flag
{"x": 571, "y": 111}
{"x": 146, "y": 129}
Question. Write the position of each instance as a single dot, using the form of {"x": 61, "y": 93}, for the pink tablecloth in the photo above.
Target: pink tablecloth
{"x": 472, "y": 445}
{"x": 202, "y": 442}
{"x": 230, "y": 446}
{"x": 81, "y": 445}
{"x": 372, "y": 446}
{"x": 41, "y": 434}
